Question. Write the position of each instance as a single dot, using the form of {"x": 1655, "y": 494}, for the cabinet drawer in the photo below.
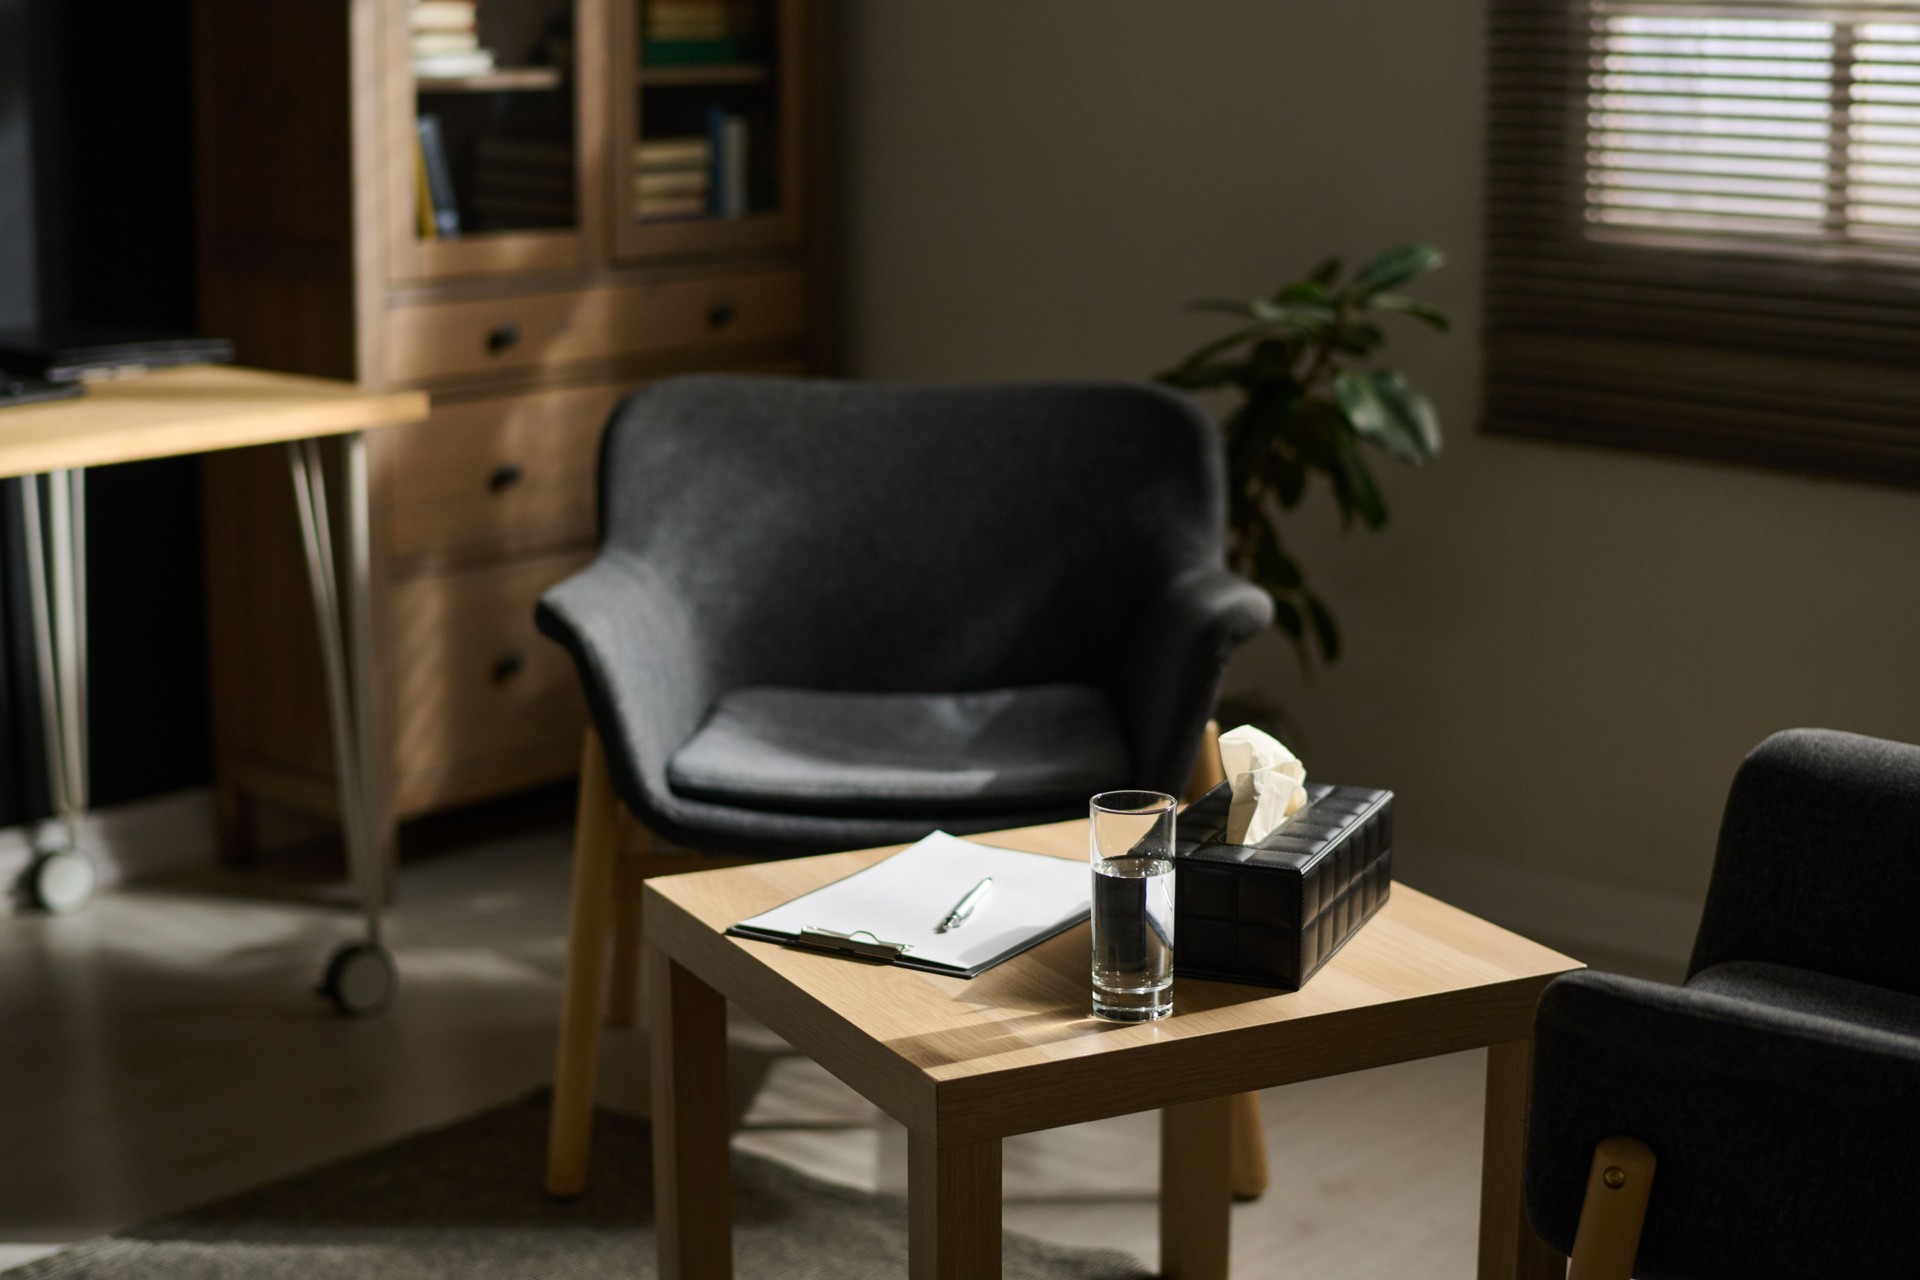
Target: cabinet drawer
{"x": 497, "y": 476}
{"x": 527, "y": 332}
{"x": 474, "y": 683}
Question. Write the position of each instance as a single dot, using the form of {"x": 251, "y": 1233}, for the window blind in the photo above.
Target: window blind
{"x": 1704, "y": 229}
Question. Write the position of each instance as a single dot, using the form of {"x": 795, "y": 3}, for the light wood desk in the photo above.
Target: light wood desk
{"x": 963, "y": 1064}
{"x": 198, "y": 410}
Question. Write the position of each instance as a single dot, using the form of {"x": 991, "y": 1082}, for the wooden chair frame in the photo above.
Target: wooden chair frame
{"x": 1615, "y": 1208}
{"x": 612, "y": 854}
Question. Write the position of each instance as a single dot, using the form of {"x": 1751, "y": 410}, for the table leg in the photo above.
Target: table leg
{"x": 56, "y": 591}
{"x": 62, "y": 878}
{"x": 692, "y": 1180}
{"x": 953, "y": 1209}
{"x": 340, "y": 610}
{"x": 1508, "y": 1248}
{"x": 361, "y": 977}
{"x": 1196, "y": 1189}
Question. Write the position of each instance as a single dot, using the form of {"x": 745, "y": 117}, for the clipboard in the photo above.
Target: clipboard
{"x": 888, "y": 913}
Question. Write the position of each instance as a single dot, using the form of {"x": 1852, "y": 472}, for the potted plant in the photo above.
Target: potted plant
{"x": 1309, "y": 397}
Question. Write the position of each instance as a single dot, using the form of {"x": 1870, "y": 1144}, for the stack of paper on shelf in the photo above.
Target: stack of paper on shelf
{"x": 673, "y": 177}
{"x": 699, "y": 32}
{"x": 446, "y": 39}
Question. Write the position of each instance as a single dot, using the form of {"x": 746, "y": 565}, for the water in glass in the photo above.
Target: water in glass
{"x": 1133, "y": 938}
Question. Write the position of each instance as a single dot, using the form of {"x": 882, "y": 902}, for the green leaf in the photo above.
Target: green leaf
{"x": 1309, "y": 317}
{"x": 1394, "y": 267}
{"x": 1428, "y": 315}
{"x": 1288, "y": 477}
{"x": 1270, "y": 560}
{"x": 1324, "y": 630}
{"x": 1389, "y": 414}
{"x": 1358, "y": 338}
{"x": 1287, "y": 618}
{"x": 1302, "y": 291}
{"x": 1413, "y": 411}
{"x": 1326, "y": 273}
{"x": 1353, "y": 483}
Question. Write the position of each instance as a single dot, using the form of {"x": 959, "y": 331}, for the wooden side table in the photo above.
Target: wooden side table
{"x": 963, "y": 1064}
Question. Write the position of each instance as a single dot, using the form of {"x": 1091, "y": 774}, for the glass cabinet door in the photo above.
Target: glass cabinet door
{"x": 708, "y": 100}
{"x": 491, "y": 142}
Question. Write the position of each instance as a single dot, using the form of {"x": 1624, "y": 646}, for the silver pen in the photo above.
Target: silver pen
{"x": 964, "y": 908}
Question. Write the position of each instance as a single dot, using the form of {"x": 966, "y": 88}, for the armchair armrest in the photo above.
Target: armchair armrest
{"x": 647, "y": 671}
{"x": 1167, "y": 679}
{"x": 1818, "y": 865}
{"x": 1788, "y": 1140}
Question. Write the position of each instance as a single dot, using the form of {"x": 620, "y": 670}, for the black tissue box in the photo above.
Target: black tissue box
{"x": 1272, "y": 913}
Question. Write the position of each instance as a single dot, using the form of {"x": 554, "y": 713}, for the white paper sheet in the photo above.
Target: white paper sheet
{"x": 904, "y": 898}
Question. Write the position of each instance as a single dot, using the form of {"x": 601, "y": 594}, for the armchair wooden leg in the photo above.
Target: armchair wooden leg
{"x": 1248, "y": 1149}
{"x": 1615, "y": 1207}
{"x": 629, "y": 870}
{"x": 595, "y": 848}
{"x": 1207, "y": 773}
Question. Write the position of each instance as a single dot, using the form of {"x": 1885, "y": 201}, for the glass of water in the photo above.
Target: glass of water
{"x": 1131, "y": 846}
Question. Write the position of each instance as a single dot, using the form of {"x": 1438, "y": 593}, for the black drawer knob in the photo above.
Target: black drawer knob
{"x": 502, "y": 337}
{"x": 507, "y": 667}
{"x": 721, "y": 314}
{"x": 505, "y": 476}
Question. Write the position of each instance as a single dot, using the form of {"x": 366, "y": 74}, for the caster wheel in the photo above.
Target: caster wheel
{"x": 361, "y": 979}
{"x": 61, "y": 882}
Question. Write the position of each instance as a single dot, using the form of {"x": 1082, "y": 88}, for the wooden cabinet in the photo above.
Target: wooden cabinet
{"x": 528, "y": 208}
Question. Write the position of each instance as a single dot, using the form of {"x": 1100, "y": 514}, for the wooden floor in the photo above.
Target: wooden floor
{"x": 161, "y": 1048}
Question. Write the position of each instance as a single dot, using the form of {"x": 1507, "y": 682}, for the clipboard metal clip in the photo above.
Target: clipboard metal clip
{"x": 859, "y": 944}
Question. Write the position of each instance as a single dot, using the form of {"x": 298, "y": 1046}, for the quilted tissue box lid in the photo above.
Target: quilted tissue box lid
{"x": 1274, "y": 912}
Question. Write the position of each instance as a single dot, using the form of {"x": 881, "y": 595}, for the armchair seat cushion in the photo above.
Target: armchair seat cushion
{"x": 837, "y": 752}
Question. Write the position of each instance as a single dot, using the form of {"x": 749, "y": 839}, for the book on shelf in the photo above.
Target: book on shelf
{"x": 451, "y": 66}
{"x": 702, "y": 19}
{"x": 443, "y": 15}
{"x": 656, "y": 208}
{"x": 523, "y": 182}
{"x": 693, "y": 53}
{"x": 429, "y": 43}
{"x": 670, "y": 182}
{"x": 445, "y": 38}
{"x": 427, "y": 225}
{"x": 729, "y": 135}
{"x": 439, "y": 174}
{"x": 694, "y": 151}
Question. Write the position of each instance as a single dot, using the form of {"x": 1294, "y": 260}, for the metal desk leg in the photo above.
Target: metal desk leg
{"x": 361, "y": 977}
{"x": 61, "y": 879}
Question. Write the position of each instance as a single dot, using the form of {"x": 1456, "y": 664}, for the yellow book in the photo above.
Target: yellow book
{"x": 422, "y": 192}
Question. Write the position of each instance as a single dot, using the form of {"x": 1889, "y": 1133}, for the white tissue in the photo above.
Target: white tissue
{"x": 1269, "y": 783}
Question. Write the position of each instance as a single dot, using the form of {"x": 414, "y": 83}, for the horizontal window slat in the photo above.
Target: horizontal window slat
{"x": 1639, "y": 116}
{"x": 1630, "y": 155}
{"x": 1608, "y": 179}
{"x": 1707, "y": 153}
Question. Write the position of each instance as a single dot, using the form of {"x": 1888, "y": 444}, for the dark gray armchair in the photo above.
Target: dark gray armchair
{"x": 1778, "y": 1090}
{"x": 833, "y": 615}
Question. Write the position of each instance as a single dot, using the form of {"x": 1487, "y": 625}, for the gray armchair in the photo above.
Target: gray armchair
{"x": 1767, "y": 1112}
{"x": 832, "y": 615}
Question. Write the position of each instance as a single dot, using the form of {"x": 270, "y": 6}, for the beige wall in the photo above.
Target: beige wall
{"x": 1557, "y": 655}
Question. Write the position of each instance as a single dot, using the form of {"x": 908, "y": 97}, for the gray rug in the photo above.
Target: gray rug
{"x": 465, "y": 1202}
